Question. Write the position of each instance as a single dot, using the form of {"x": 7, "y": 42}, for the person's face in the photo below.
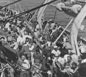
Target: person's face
{"x": 25, "y": 33}
{"x": 23, "y": 57}
{"x": 69, "y": 58}
{"x": 73, "y": 65}
{"x": 27, "y": 40}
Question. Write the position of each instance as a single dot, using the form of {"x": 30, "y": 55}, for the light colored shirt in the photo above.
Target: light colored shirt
{"x": 75, "y": 58}
{"x": 15, "y": 45}
{"x": 20, "y": 40}
{"x": 56, "y": 53}
{"x": 7, "y": 26}
{"x": 83, "y": 49}
{"x": 26, "y": 65}
{"x": 61, "y": 61}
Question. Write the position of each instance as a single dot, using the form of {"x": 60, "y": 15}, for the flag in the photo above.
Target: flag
{"x": 75, "y": 28}
{"x": 41, "y": 13}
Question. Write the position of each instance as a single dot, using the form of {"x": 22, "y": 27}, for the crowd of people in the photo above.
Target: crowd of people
{"x": 37, "y": 55}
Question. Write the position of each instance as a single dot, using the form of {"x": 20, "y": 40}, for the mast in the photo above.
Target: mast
{"x": 75, "y": 28}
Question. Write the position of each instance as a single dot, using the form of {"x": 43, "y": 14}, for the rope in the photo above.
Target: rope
{"x": 55, "y": 14}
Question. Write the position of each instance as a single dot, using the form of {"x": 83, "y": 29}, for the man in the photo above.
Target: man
{"x": 20, "y": 39}
{"x": 10, "y": 70}
{"x": 25, "y": 66}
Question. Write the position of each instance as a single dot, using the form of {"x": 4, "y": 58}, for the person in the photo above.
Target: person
{"x": 10, "y": 70}
{"x": 25, "y": 66}
{"x": 25, "y": 48}
{"x": 20, "y": 39}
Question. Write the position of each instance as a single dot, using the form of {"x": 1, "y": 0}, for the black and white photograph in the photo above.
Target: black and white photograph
{"x": 42, "y": 38}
